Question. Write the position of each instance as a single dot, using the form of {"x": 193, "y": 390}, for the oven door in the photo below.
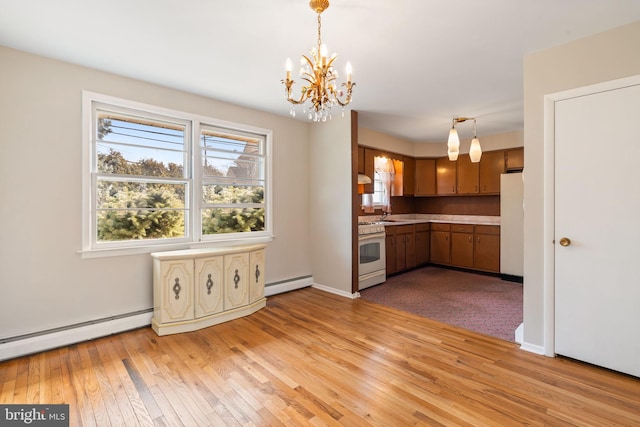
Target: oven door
{"x": 371, "y": 253}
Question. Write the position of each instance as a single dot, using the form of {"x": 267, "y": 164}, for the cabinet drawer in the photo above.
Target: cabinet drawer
{"x": 462, "y": 228}
{"x": 487, "y": 229}
{"x": 423, "y": 226}
{"x": 439, "y": 226}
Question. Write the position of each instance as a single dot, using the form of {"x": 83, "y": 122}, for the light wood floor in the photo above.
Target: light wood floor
{"x": 312, "y": 358}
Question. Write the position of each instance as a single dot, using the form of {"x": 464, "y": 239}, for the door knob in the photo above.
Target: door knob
{"x": 565, "y": 241}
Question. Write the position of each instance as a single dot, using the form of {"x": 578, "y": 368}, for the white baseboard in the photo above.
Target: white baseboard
{"x": 532, "y": 348}
{"x": 287, "y": 286}
{"x": 519, "y": 335}
{"x": 336, "y": 291}
{"x": 47, "y": 341}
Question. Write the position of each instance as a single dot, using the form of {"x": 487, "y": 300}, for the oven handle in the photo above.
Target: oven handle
{"x": 365, "y": 237}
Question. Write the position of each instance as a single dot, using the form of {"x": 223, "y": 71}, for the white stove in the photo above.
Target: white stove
{"x": 371, "y": 254}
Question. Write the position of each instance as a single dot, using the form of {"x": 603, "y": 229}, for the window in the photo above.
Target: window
{"x": 160, "y": 178}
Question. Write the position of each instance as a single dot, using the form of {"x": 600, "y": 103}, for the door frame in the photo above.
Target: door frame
{"x": 549, "y": 247}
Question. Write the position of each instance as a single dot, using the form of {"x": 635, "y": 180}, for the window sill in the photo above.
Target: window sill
{"x": 111, "y": 252}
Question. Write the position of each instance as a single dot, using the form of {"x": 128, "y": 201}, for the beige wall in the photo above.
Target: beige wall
{"x": 330, "y": 181}
{"x": 607, "y": 56}
{"x": 43, "y": 280}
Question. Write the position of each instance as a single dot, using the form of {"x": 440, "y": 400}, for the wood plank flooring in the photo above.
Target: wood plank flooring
{"x": 313, "y": 358}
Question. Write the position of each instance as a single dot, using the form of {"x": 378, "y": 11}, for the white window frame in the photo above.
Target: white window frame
{"x": 193, "y": 200}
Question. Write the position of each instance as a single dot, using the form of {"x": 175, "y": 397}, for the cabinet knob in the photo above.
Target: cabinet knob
{"x": 565, "y": 241}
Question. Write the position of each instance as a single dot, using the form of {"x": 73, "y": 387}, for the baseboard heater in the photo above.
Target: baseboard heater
{"x": 22, "y": 345}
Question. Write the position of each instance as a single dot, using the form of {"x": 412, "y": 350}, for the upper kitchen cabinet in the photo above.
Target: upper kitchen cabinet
{"x": 409, "y": 180}
{"x": 425, "y": 177}
{"x": 515, "y": 159}
{"x": 491, "y": 167}
{"x": 361, "y": 160}
{"x": 445, "y": 176}
{"x": 468, "y": 176}
{"x": 369, "y": 168}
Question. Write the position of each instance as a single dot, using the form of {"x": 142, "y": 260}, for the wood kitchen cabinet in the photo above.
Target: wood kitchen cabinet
{"x": 486, "y": 255}
{"x": 390, "y": 245}
{"x": 361, "y": 160}
{"x": 462, "y": 245}
{"x": 400, "y": 247}
{"x": 440, "y": 243}
{"x": 405, "y": 247}
{"x": 445, "y": 176}
{"x": 514, "y": 159}
{"x": 492, "y": 165}
{"x": 468, "y": 175}
{"x": 425, "y": 177}
{"x": 422, "y": 243}
{"x": 369, "y": 168}
{"x": 409, "y": 176}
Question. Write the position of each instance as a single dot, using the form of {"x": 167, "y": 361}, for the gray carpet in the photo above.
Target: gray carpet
{"x": 484, "y": 304}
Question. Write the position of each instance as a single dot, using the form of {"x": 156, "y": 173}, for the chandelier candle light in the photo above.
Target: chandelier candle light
{"x": 453, "y": 144}
{"x": 320, "y": 75}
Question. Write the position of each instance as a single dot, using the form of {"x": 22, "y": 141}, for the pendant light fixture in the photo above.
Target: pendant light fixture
{"x": 453, "y": 143}
{"x": 320, "y": 90}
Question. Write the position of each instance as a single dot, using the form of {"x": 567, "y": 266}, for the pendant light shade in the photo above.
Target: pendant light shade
{"x": 453, "y": 145}
{"x": 475, "y": 152}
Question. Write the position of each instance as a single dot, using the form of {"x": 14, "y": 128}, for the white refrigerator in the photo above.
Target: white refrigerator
{"x": 512, "y": 226}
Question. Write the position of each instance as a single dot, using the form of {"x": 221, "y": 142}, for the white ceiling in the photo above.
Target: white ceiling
{"x": 417, "y": 63}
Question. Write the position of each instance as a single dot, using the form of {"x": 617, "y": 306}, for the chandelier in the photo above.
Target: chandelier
{"x": 453, "y": 143}
{"x": 320, "y": 90}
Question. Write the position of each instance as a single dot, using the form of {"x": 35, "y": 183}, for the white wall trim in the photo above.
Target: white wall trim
{"x": 336, "y": 291}
{"x": 59, "y": 338}
{"x": 532, "y": 348}
{"x": 286, "y": 286}
{"x": 548, "y": 348}
{"x": 47, "y": 340}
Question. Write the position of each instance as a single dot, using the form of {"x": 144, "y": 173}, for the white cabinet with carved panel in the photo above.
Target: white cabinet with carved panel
{"x": 236, "y": 280}
{"x": 256, "y": 275}
{"x": 209, "y": 292}
{"x": 196, "y": 288}
{"x": 176, "y": 291}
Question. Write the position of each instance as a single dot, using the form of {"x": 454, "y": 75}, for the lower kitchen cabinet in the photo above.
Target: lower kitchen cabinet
{"x": 400, "y": 247}
{"x": 440, "y": 243}
{"x": 486, "y": 247}
{"x": 196, "y": 288}
{"x": 422, "y": 243}
{"x": 476, "y": 247}
{"x": 462, "y": 245}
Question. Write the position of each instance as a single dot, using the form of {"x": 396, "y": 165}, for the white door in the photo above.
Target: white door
{"x": 597, "y": 207}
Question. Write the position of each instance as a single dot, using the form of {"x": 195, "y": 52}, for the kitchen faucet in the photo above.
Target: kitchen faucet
{"x": 384, "y": 215}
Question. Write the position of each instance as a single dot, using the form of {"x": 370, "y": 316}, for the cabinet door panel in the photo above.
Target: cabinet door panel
{"x": 209, "y": 293}
{"x": 176, "y": 289}
{"x": 462, "y": 249}
{"x": 425, "y": 177}
{"x": 440, "y": 247}
{"x": 256, "y": 273}
{"x": 445, "y": 176}
{"x": 468, "y": 175}
{"x": 236, "y": 278}
{"x": 422, "y": 247}
{"x": 491, "y": 167}
{"x": 487, "y": 252}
